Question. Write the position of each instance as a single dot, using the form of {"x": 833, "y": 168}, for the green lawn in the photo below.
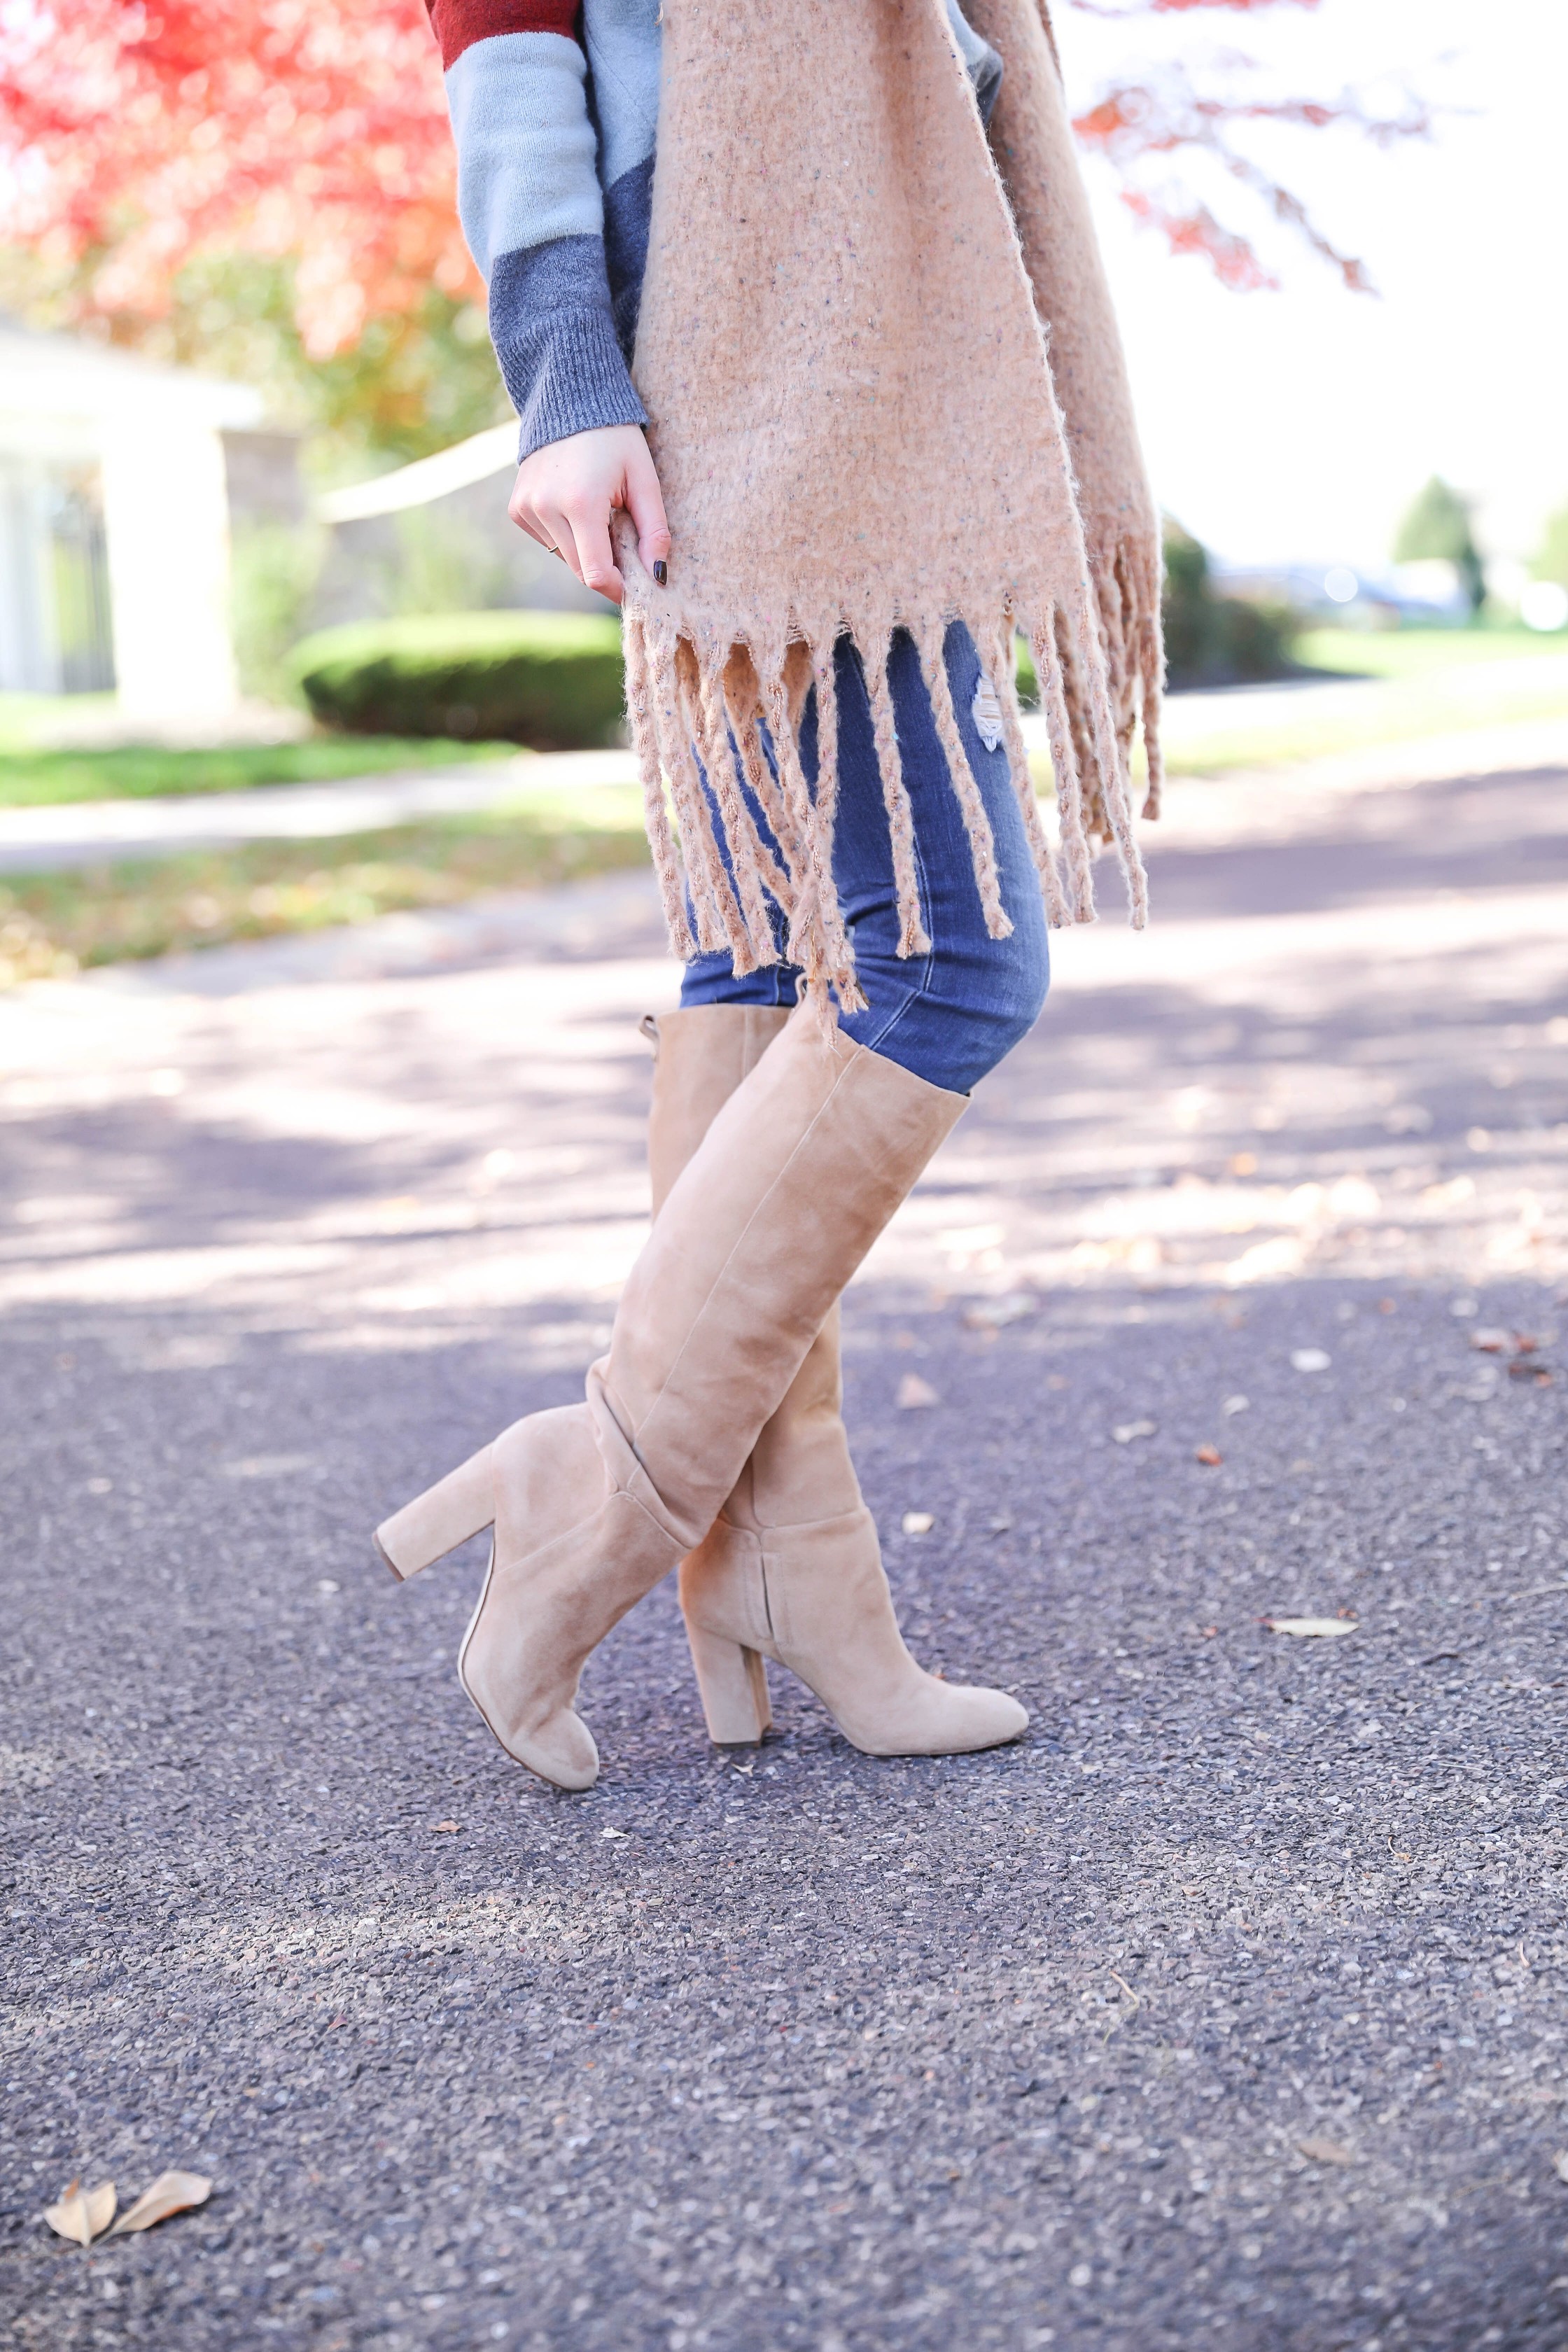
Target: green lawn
{"x": 26, "y": 720}
{"x": 52, "y": 925}
{"x": 1416, "y": 682}
{"x": 37, "y": 779}
{"x": 1416, "y": 653}
{"x": 1379, "y": 688}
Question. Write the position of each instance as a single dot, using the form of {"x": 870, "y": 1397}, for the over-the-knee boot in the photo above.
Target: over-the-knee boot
{"x": 592, "y": 1504}
{"x": 792, "y": 1569}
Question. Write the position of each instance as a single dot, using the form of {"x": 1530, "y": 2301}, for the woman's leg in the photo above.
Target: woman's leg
{"x": 791, "y": 1568}
{"x": 950, "y": 1013}
{"x": 711, "y": 980}
{"x": 592, "y": 1504}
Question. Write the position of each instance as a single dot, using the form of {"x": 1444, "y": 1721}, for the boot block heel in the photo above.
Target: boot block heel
{"x": 459, "y": 1506}
{"x": 733, "y": 1681}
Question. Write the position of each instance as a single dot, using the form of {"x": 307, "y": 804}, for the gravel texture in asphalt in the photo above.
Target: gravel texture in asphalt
{"x": 1226, "y": 2008}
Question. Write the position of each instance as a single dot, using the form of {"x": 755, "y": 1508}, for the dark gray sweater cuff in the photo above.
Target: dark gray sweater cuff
{"x": 555, "y": 335}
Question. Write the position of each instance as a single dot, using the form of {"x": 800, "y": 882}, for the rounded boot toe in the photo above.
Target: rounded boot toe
{"x": 946, "y": 1720}
{"x": 1007, "y": 1717}
{"x": 561, "y": 1751}
{"x": 973, "y": 1717}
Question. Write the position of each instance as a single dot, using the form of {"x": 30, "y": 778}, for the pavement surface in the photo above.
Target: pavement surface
{"x": 1226, "y": 2008}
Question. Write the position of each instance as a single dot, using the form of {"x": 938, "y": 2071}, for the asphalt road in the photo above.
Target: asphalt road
{"x": 1228, "y": 2009}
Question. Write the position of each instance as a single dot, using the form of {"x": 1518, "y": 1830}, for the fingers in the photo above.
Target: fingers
{"x": 521, "y": 510}
{"x": 567, "y": 492}
{"x": 579, "y": 536}
{"x": 591, "y": 557}
{"x": 645, "y": 504}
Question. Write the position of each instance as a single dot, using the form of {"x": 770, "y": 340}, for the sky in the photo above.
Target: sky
{"x": 1297, "y": 425}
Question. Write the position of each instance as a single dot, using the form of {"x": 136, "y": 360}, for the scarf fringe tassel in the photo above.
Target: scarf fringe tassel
{"x": 694, "y": 698}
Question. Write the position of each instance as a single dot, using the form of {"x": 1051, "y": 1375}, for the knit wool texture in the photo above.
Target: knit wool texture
{"x": 1031, "y": 138}
{"x": 843, "y": 349}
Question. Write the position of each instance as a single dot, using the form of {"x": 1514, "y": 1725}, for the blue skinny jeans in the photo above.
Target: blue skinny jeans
{"x": 950, "y": 1013}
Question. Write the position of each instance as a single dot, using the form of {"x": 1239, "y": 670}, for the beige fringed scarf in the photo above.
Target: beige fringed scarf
{"x": 855, "y": 429}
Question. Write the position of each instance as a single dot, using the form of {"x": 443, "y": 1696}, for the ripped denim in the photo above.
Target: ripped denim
{"x": 952, "y": 1013}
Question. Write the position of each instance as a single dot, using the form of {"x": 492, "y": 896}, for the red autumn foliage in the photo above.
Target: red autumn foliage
{"x": 1164, "y": 115}
{"x": 142, "y": 132}
{"x": 136, "y": 134}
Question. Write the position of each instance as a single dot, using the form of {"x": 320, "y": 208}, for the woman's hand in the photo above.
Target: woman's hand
{"x": 565, "y": 493}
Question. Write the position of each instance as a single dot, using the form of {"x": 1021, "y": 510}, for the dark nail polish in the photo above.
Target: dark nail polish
{"x": 661, "y": 572}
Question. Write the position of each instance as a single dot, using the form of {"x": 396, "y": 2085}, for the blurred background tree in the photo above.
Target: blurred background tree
{"x": 1552, "y": 560}
{"x": 411, "y": 378}
{"x": 1155, "y": 125}
{"x": 1436, "y": 528}
{"x": 257, "y": 188}
{"x": 266, "y": 190}
{"x": 1214, "y": 640}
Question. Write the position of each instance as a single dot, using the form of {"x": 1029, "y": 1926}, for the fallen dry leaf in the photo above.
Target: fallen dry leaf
{"x": 1560, "y": 2164}
{"x": 1209, "y": 1455}
{"x": 81, "y": 2214}
{"x": 995, "y": 1314}
{"x": 913, "y": 1392}
{"x": 171, "y": 2192}
{"x": 448, "y": 1825}
{"x": 1311, "y": 1627}
{"x": 918, "y": 1523}
{"x": 1126, "y": 1430}
{"x": 1326, "y": 2151}
{"x": 1310, "y": 1360}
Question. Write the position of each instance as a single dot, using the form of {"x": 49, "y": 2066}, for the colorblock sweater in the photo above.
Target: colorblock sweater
{"x": 554, "y": 111}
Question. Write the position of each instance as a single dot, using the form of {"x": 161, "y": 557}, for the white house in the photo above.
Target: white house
{"x": 114, "y": 527}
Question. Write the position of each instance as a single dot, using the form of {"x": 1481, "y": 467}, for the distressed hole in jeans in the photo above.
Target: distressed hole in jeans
{"x": 986, "y": 712}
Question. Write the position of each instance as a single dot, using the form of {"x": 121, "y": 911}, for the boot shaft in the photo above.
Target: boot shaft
{"x": 798, "y": 1173}
{"x": 800, "y": 1468}
{"x": 702, "y": 1055}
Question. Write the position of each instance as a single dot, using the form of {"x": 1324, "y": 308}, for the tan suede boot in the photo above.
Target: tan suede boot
{"x": 592, "y": 1504}
{"x": 791, "y": 1569}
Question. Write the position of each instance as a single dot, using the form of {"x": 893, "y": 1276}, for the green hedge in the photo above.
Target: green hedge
{"x": 1214, "y": 640}
{"x": 550, "y": 680}
{"x": 1209, "y": 640}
